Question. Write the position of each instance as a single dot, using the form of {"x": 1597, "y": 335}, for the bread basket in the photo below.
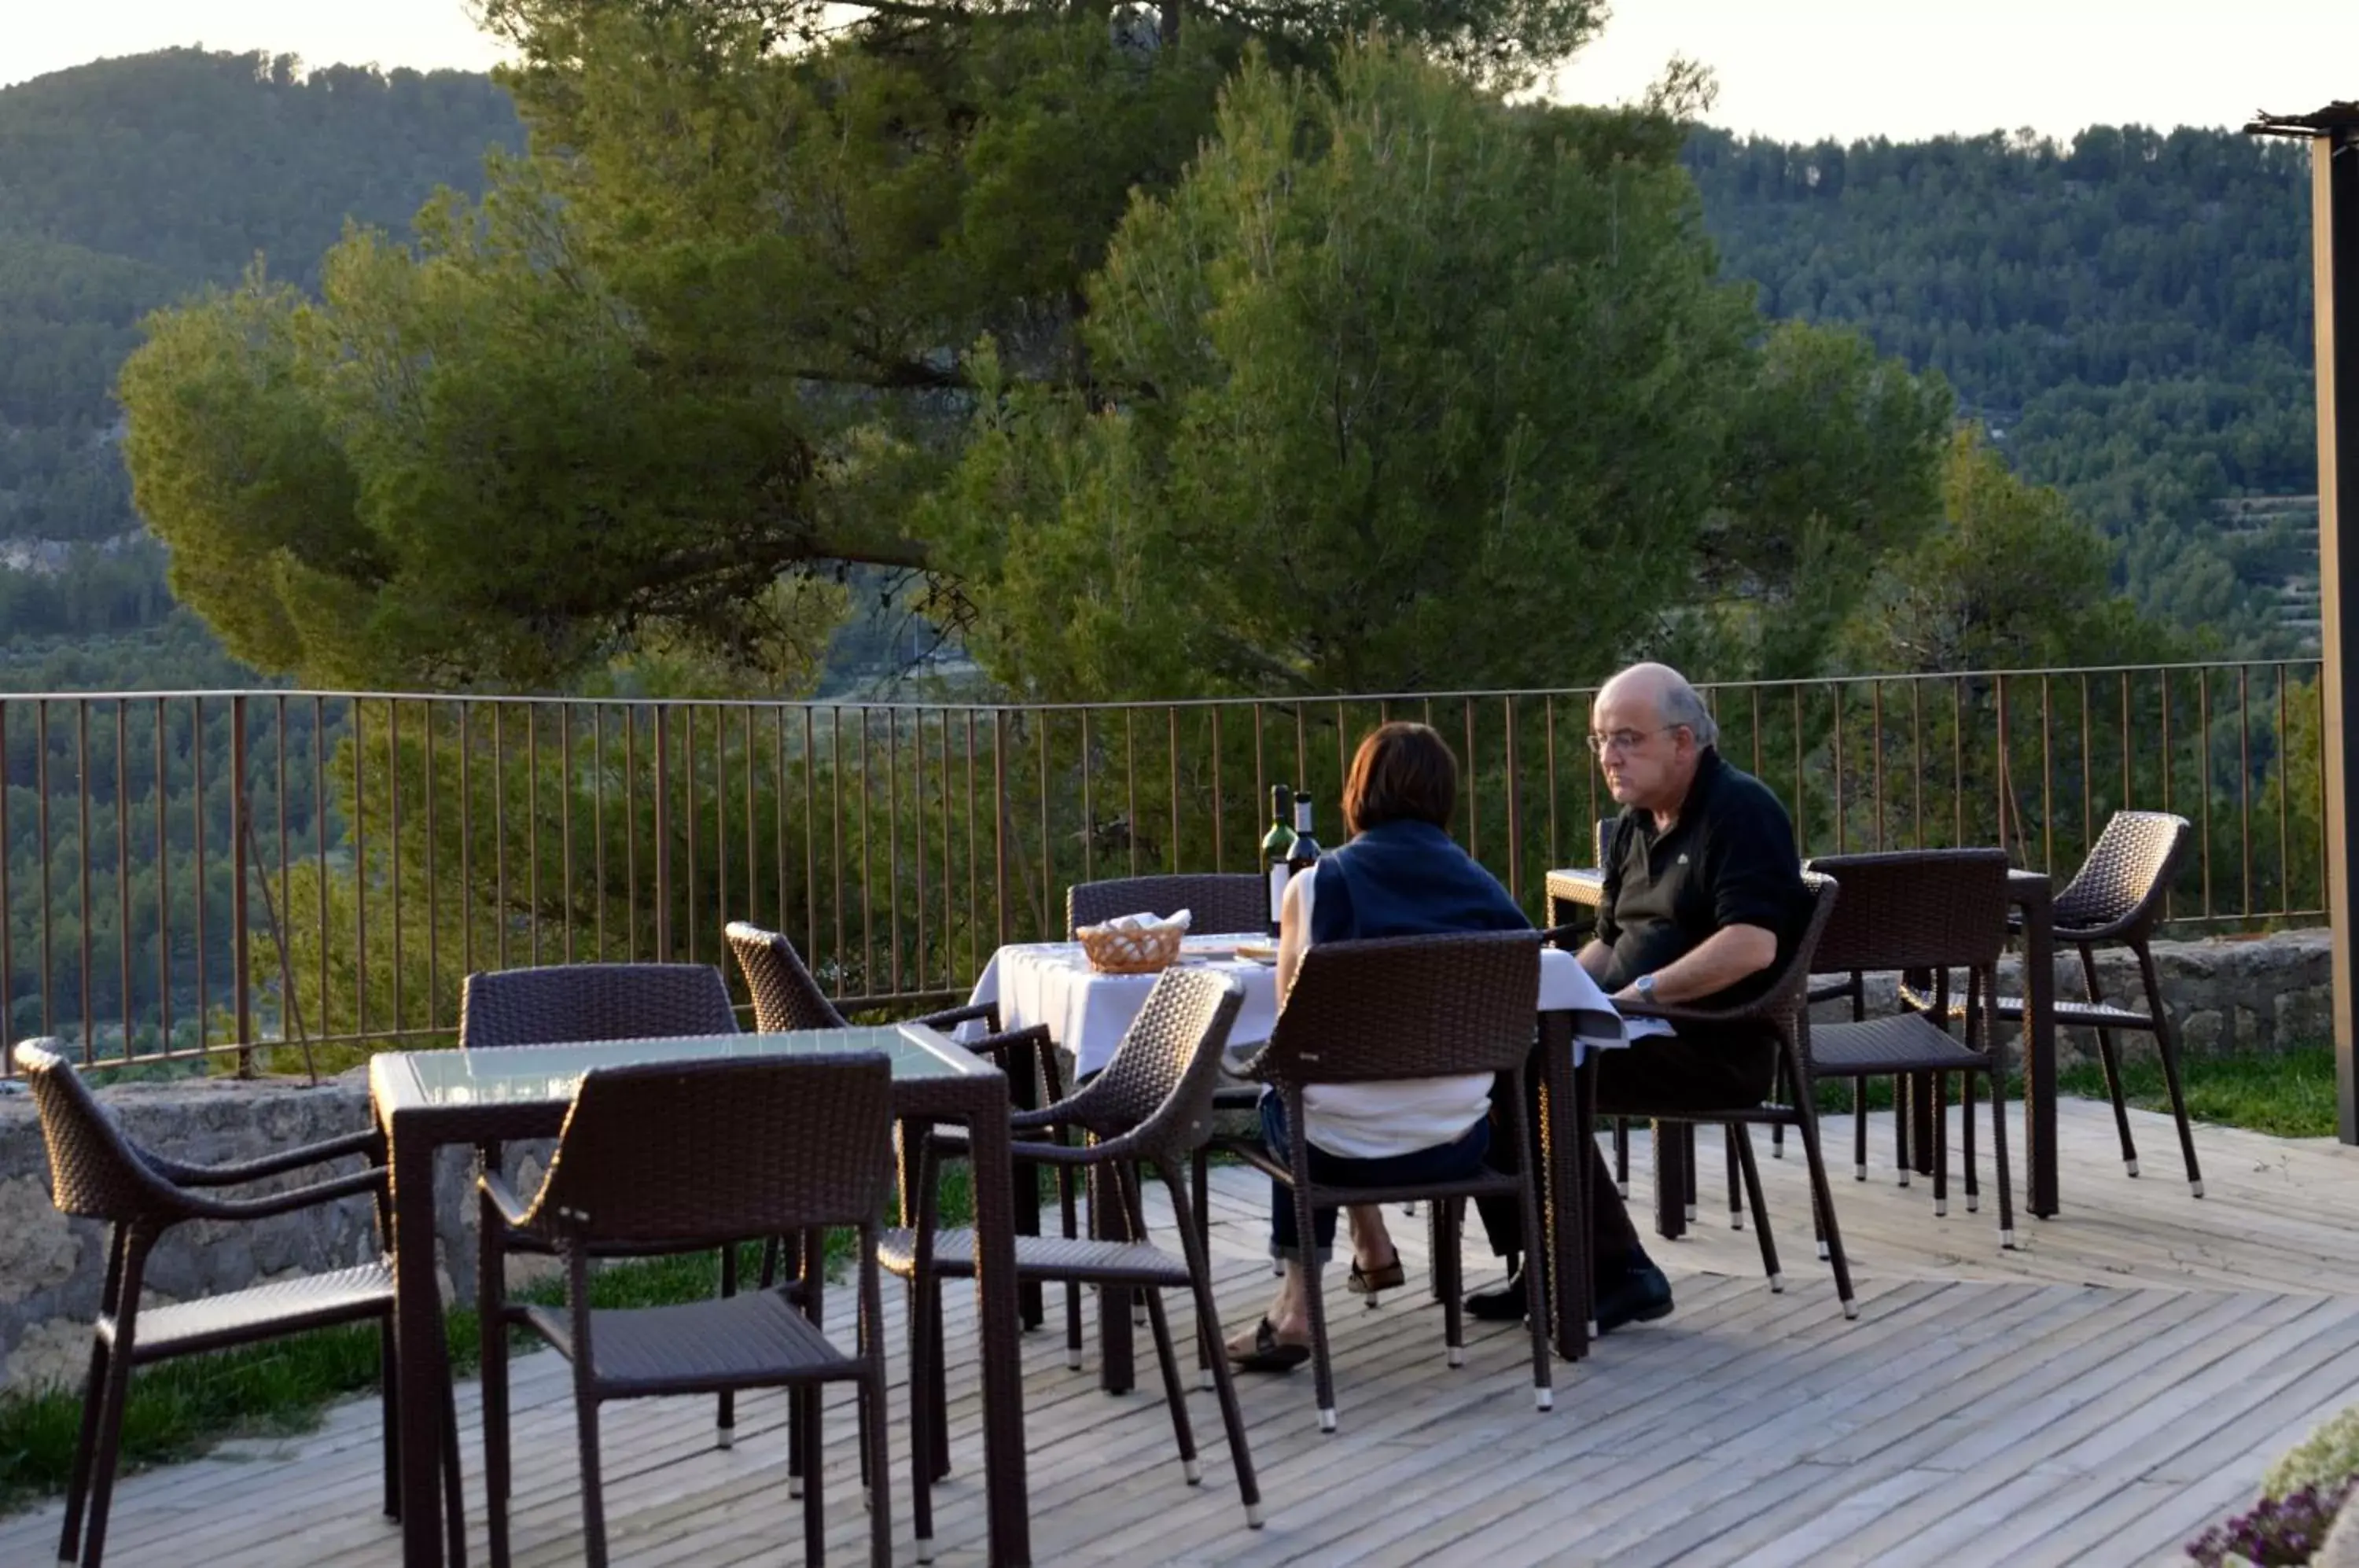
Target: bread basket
{"x": 1132, "y": 944}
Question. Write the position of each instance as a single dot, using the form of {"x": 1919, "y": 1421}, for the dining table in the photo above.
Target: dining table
{"x": 425, "y": 1101}
{"x": 2031, "y": 894}
{"x": 1086, "y": 1011}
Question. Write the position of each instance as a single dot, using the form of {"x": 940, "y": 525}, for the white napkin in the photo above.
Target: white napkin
{"x": 1176, "y": 921}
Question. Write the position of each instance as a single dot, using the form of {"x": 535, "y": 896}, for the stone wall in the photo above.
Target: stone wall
{"x": 2230, "y": 995}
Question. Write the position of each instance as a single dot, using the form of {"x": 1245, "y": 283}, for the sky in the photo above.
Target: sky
{"x": 1796, "y": 70}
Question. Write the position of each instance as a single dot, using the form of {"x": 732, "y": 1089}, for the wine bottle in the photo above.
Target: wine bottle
{"x": 1305, "y": 853}
{"x": 1275, "y": 846}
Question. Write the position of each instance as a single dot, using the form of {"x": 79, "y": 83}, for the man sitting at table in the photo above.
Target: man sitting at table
{"x": 1401, "y": 875}
{"x": 1703, "y": 899}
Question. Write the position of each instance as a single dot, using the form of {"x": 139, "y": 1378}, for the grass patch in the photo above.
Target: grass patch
{"x": 181, "y": 1408}
{"x": 2288, "y": 1093}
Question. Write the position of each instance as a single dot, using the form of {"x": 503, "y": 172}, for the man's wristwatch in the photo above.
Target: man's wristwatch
{"x": 1645, "y": 986}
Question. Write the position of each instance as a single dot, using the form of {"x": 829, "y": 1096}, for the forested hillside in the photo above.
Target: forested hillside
{"x": 2129, "y": 313}
{"x": 129, "y": 183}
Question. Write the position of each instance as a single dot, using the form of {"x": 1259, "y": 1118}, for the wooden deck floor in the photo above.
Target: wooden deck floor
{"x": 2097, "y": 1397}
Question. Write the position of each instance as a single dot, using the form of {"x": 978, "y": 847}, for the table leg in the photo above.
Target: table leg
{"x": 2040, "y": 1053}
{"x": 1116, "y": 1358}
{"x": 419, "y": 1351}
{"x": 1673, "y": 1181}
{"x": 1023, "y": 1080}
{"x": 1919, "y": 1087}
{"x": 1001, "y": 1335}
{"x": 1562, "y": 1129}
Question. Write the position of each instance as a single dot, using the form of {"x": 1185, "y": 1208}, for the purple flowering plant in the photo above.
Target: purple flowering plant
{"x": 2276, "y": 1530}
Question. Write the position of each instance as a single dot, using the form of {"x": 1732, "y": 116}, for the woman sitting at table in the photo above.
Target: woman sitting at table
{"x": 1401, "y": 875}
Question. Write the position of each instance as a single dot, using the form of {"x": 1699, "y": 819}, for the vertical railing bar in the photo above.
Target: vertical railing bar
{"x": 1957, "y": 762}
{"x": 892, "y": 840}
{"x": 999, "y": 818}
{"x": 867, "y": 865}
{"x": 532, "y": 831}
{"x": 565, "y": 820}
{"x": 687, "y": 796}
{"x": 1342, "y": 771}
{"x": 660, "y": 763}
{"x": 360, "y": 875}
{"x": 778, "y": 808}
{"x": 950, "y": 955}
{"x": 973, "y": 859}
{"x": 434, "y": 887}
{"x": 1302, "y": 752}
{"x": 392, "y": 846}
{"x": 1472, "y": 792}
{"x": 2245, "y": 782}
{"x": 1594, "y": 773}
{"x": 1876, "y": 757}
{"x": 835, "y": 808}
{"x": 1089, "y": 806}
{"x": 164, "y": 885}
{"x": 630, "y": 832}
{"x": 921, "y": 969}
{"x": 1171, "y": 734}
{"x": 41, "y": 832}
{"x": 748, "y": 739}
{"x": 1515, "y": 821}
{"x": 1548, "y": 744}
{"x": 1836, "y": 713}
{"x": 2325, "y": 871}
{"x": 1041, "y": 723}
{"x": 499, "y": 834}
{"x": 811, "y": 832}
{"x": 81, "y": 845}
{"x": 2047, "y": 779}
{"x": 720, "y": 830}
{"x": 2285, "y": 804}
{"x": 2203, "y": 773}
{"x": 2166, "y": 772}
{"x": 1801, "y": 814}
{"x": 123, "y": 857}
{"x": 2129, "y": 797}
{"x": 2005, "y": 780}
{"x": 7, "y": 900}
{"x": 320, "y": 852}
{"x": 1219, "y": 825}
{"x": 1917, "y": 764}
{"x": 197, "y": 754}
{"x": 1130, "y": 784}
{"x": 2088, "y": 773}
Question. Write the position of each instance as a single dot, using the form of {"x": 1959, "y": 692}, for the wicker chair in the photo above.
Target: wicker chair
{"x": 1150, "y": 1108}
{"x": 787, "y": 995}
{"x": 96, "y": 1172}
{"x": 1227, "y": 901}
{"x": 680, "y": 1155}
{"x": 571, "y": 1002}
{"x": 1925, "y": 909}
{"x": 1387, "y": 1008}
{"x": 2116, "y": 900}
{"x": 1783, "y": 1012}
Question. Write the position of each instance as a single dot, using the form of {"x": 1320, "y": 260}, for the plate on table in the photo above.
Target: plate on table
{"x": 1257, "y": 952}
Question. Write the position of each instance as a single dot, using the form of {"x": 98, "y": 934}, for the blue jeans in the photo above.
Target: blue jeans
{"x": 1441, "y": 1163}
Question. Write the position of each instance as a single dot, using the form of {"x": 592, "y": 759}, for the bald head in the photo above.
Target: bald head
{"x": 1664, "y": 693}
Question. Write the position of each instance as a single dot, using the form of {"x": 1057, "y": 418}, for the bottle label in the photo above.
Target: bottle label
{"x": 1278, "y": 875}
{"x": 1302, "y": 816}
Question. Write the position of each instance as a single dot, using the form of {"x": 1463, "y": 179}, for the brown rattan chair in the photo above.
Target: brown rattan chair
{"x": 786, "y": 996}
{"x": 1935, "y": 909}
{"x": 676, "y": 1157}
{"x": 553, "y": 1004}
{"x": 1387, "y": 1008}
{"x": 96, "y": 1172}
{"x": 1150, "y": 1108}
{"x": 1215, "y": 901}
{"x": 1783, "y": 1012}
{"x": 2116, "y": 900}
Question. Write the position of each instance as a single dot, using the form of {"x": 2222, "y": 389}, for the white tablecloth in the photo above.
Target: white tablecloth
{"x": 1051, "y": 983}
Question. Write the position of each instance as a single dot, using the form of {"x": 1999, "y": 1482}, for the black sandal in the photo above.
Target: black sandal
{"x": 1363, "y": 1282}
{"x": 1267, "y": 1354}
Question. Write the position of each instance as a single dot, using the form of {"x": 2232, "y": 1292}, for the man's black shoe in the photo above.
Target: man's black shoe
{"x": 1504, "y": 1304}
{"x": 1640, "y": 1294}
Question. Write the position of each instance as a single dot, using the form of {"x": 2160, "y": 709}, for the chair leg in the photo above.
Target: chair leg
{"x": 2165, "y": 1043}
{"x": 1735, "y": 1195}
{"x": 725, "y": 1414}
{"x": 1940, "y": 1090}
{"x": 1537, "y": 1314}
{"x": 1903, "y": 1147}
{"x": 1622, "y": 1155}
{"x": 454, "y": 1496}
{"x": 1691, "y": 1178}
{"x": 1999, "y": 1153}
{"x": 389, "y": 1400}
{"x": 814, "y": 1482}
{"x": 921, "y": 1424}
{"x": 1321, "y": 1360}
{"x": 492, "y": 1342}
{"x": 2111, "y": 1059}
{"x": 1199, "y": 1186}
{"x": 116, "y": 1394}
{"x": 1449, "y": 1220}
{"x": 1966, "y": 1116}
{"x": 1823, "y": 1201}
{"x": 93, "y": 1405}
{"x": 872, "y": 1427}
{"x": 1741, "y": 1139}
{"x": 1199, "y": 1284}
{"x": 1859, "y": 1128}
{"x": 1159, "y": 1324}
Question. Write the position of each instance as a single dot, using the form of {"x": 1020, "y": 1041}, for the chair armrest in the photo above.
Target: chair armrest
{"x": 1571, "y": 935}
{"x": 365, "y": 1142}
{"x": 950, "y": 1018}
{"x": 1670, "y": 1013}
{"x": 998, "y": 1044}
{"x": 497, "y": 1191}
{"x": 371, "y": 1181}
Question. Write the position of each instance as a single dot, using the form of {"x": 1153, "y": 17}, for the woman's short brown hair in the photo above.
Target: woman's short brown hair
{"x": 1402, "y": 771}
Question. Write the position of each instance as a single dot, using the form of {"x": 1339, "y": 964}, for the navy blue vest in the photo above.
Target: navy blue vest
{"x": 1405, "y": 878}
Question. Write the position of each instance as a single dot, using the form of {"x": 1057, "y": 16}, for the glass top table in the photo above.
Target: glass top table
{"x": 512, "y": 1074}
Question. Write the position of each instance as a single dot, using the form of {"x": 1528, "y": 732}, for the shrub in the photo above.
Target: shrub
{"x": 2277, "y": 1531}
{"x": 2326, "y": 1458}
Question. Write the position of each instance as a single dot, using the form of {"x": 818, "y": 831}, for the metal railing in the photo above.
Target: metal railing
{"x": 188, "y": 874}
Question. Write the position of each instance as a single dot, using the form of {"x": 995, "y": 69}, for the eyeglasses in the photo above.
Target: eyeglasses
{"x": 1623, "y": 740}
